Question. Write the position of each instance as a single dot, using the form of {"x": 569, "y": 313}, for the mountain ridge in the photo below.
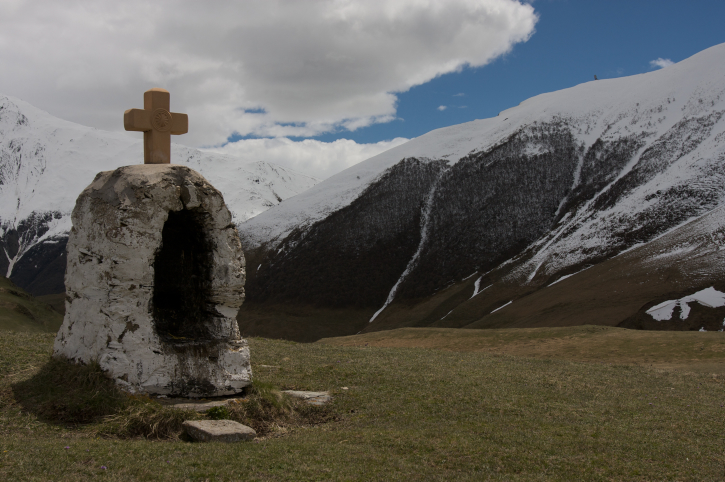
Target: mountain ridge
{"x": 563, "y": 181}
{"x": 456, "y": 142}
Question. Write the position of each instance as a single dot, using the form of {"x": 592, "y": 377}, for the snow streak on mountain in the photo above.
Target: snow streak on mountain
{"x": 563, "y": 181}
{"x": 46, "y": 162}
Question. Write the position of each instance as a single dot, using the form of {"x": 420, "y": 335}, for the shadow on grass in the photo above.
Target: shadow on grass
{"x": 66, "y": 393}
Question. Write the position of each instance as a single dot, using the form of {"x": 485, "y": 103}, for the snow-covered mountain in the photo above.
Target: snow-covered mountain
{"x": 563, "y": 181}
{"x": 45, "y": 162}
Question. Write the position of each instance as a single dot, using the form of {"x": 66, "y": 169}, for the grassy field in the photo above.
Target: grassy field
{"x": 412, "y": 414}
{"x": 688, "y": 350}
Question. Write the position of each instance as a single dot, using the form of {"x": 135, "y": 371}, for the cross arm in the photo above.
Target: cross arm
{"x": 140, "y": 120}
{"x": 179, "y": 123}
{"x": 137, "y": 120}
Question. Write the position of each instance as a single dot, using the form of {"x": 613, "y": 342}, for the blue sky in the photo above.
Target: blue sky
{"x": 574, "y": 40}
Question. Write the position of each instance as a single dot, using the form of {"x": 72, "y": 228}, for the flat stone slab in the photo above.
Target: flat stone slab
{"x": 201, "y": 406}
{"x": 218, "y": 431}
{"x": 313, "y": 398}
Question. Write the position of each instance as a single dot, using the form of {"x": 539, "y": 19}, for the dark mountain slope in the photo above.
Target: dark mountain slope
{"x": 359, "y": 250}
{"x": 491, "y": 205}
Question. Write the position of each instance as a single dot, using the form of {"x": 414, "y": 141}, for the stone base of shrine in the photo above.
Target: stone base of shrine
{"x": 154, "y": 281}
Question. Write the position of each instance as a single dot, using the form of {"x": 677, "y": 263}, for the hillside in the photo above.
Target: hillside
{"x": 45, "y": 162}
{"x": 21, "y": 312}
{"x": 504, "y": 207}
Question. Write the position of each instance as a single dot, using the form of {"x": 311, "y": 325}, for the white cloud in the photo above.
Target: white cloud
{"x": 660, "y": 63}
{"x": 309, "y": 156}
{"x": 302, "y": 67}
{"x": 442, "y": 107}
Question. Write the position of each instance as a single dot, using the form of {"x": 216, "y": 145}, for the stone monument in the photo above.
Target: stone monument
{"x": 155, "y": 273}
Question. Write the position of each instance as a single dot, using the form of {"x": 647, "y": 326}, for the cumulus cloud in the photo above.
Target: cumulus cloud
{"x": 660, "y": 63}
{"x": 270, "y": 68}
{"x": 312, "y": 157}
{"x": 442, "y": 107}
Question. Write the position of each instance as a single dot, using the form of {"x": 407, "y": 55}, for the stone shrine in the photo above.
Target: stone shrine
{"x": 155, "y": 277}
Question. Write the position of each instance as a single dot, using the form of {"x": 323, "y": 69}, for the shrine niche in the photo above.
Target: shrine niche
{"x": 154, "y": 280}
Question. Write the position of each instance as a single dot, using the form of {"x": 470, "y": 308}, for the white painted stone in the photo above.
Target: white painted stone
{"x": 110, "y": 279}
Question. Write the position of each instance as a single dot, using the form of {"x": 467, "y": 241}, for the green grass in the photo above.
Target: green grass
{"x": 21, "y": 312}
{"x": 407, "y": 414}
{"x": 690, "y": 350}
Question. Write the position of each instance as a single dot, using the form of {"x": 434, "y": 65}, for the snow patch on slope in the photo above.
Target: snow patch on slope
{"x": 569, "y": 276}
{"x": 425, "y": 214}
{"x": 709, "y": 297}
{"x": 502, "y": 307}
{"x": 477, "y": 287}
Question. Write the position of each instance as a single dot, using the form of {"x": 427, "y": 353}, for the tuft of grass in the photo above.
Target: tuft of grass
{"x": 218, "y": 413}
{"x": 270, "y": 412}
{"x": 143, "y": 417}
{"x": 271, "y": 395}
{"x": 65, "y": 392}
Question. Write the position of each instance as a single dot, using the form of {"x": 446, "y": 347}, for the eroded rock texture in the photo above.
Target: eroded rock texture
{"x": 154, "y": 280}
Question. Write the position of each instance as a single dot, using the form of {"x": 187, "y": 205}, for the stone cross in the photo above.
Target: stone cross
{"x": 157, "y": 125}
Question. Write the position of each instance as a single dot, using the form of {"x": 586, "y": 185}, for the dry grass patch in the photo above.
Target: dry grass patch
{"x": 143, "y": 417}
{"x": 270, "y": 412}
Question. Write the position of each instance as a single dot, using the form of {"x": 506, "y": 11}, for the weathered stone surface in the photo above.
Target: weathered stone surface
{"x": 154, "y": 281}
{"x": 313, "y": 398}
{"x": 218, "y": 431}
{"x": 203, "y": 406}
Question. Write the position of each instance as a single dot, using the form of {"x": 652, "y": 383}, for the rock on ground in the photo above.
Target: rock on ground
{"x": 218, "y": 431}
{"x": 313, "y": 398}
